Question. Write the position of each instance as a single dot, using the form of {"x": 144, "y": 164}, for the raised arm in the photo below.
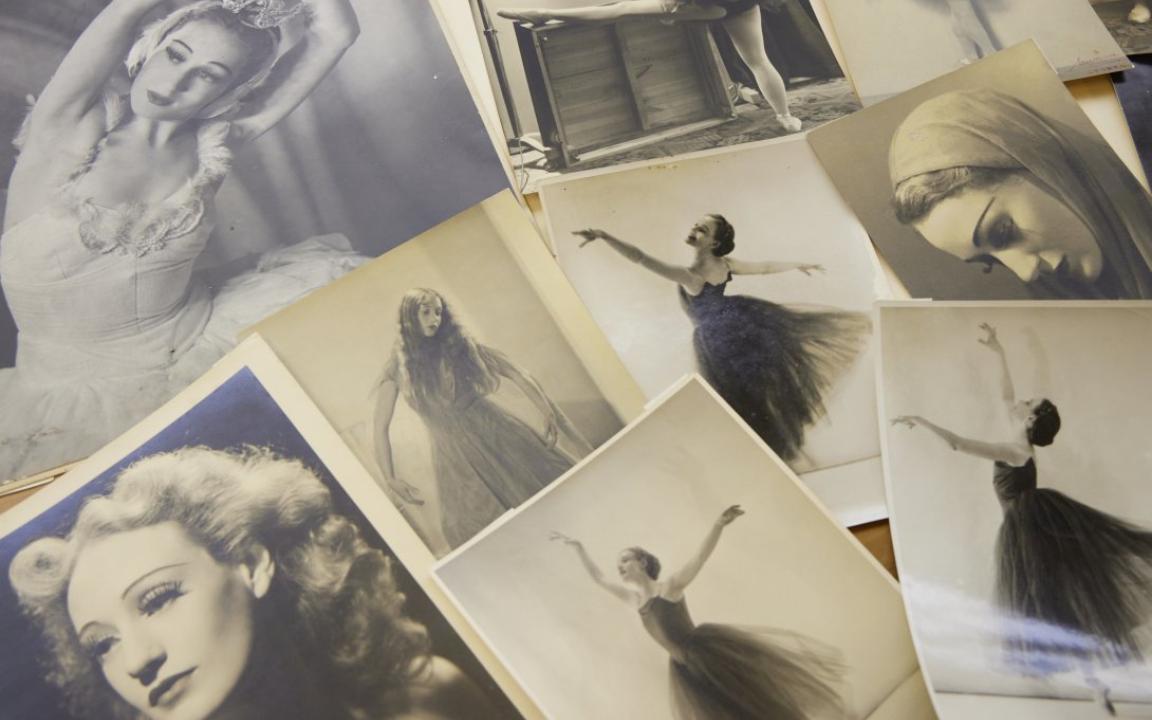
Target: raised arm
{"x": 386, "y": 395}
{"x": 98, "y": 54}
{"x": 331, "y": 30}
{"x": 1011, "y": 453}
{"x": 683, "y": 577}
{"x": 744, "y": 267}
{"x": 676, "y": 274}
{"x": 594, "y": 572}
{"x": 990, "y": 341}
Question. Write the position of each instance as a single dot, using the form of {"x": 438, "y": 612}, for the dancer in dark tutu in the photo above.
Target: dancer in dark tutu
{"x": 771, "y": 363}
{"x": 1086, "y": 575}
{"x": 722, "y": 672}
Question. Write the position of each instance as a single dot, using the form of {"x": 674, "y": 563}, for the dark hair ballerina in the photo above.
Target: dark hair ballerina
{"x": 1059, "y": 561}
{"x": 721, "y": 671}
{"x": 771, "y": 363}
{"x": 486, "y": 459}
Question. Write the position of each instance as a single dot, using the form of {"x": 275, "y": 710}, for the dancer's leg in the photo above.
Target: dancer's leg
{"x": 1140, "y": 13}
{"x": 609, "y": 12}
{"x": 748, "y": 38}
{"x": 970, "y": 30}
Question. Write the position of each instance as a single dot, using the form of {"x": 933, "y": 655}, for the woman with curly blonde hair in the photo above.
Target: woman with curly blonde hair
{"x": 223, "y": 584}
{"x": 486, "y": 459}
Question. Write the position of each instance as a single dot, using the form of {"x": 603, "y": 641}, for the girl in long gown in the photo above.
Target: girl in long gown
{"x": 111, "y": 204}
{"x": 1083, "y": 573}
{"x": 773, "y": 364}
{"x": 739, "y": 18}
{"x": 721, "y": 672}
{"x": 485, "y": 459}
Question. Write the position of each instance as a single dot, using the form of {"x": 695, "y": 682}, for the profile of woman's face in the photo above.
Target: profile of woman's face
{"x": 703, "y": 233}
{"x": 1019, "y": 224}
{"x": 629, "y": 567}
{"x": 170, "y": 627}
{"x": 193, "y": 67}
{"x": 429, "y": 316}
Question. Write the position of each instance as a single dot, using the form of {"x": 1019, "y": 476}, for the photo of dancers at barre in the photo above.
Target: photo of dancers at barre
{"x": 485, "y": 459}
{"x": 155, "y": 209}
{"x": 720, "y": 671}
{"x": 772, "y": 363}
{"x": 1069, "y": 605}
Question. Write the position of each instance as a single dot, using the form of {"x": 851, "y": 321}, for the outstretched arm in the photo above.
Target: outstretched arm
{"x": 594, "y": 572}
{"x": 990, "y": 341}
{"x": 685, "y": 575}
{"x": 1011, "y": 453}
{"x": 332, "y": 29}
{"x": 743, "y": 267}
{"x": 681, "y": 275}
{"x": 387, "y": 394}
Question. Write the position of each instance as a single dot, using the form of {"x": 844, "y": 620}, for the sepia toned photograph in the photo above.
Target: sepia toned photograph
{"x": 1017, "y": 480}
{"x": 683, "y": 572}
{"x": 217, "y": 568}
{"x": 894, "y": 45}
{"x": 768, "y": 298}
{"x": 580, "y": 86}
{"x": 179, "y": 170}
{"x": 463, "y": 401}
{"x": 1129, "y": 21}
{"x": 992, "y": 184}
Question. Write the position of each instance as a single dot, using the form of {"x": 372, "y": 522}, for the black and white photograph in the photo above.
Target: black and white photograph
{"x": 1017, "y": 475}
{"x": 1129, "y": 21}
{"x": 214, "y": 567}
{"x": 766, "y": 294}
{"x": 992, "y": 184}
{"x": 581, "y": 85}
{"x": 683, "y": 572}
{"x": 893, "y": 45}
{"x": 461, "y": 399}
{"x": 179, "y": 170}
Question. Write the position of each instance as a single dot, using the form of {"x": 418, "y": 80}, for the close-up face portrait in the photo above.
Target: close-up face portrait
{"x": 169, "y": 626}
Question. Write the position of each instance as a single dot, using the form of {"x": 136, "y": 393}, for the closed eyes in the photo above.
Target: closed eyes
{"x": 157, "y": 597}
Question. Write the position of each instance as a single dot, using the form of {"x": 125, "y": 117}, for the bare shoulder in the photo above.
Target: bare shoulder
{"x": 444, "y": 692}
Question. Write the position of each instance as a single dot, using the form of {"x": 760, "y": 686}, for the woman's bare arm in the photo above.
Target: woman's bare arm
{"x": 594, "y": 572}
{"x": 1010, "y": 453}
{"x": 332, "y": 29}
{"x": 683, "y": 577}
{"x": 990, "y": 341}
{"x": 680, "y": 275}
{"x": 387, "y": 393}
{"x": 744, "y": 267}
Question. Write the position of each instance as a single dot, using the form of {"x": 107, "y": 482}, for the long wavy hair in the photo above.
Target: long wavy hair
{"x": 440, "y": 367}
{"x": 335, "y": 601}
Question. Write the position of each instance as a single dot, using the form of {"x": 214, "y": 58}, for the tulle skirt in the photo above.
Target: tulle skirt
{"x": 61, "y": 404}
{"x": 486, "y": 462}
{"x": 1080, "y": 579}
{"x": 739, "y": 673}
{"x": 773, "y": 364}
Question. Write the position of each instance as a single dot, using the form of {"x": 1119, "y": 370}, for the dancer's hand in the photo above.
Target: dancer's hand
{"x": 405, "y": 491}
{"x": 562, "y": 538}
{"x": 990, "y": 340}
{"x": 551, "y": 429}
{"x": 590, "y": 235}
{"x": 729, "y": 515}
{"x": 910, "y": 421}
{"x": 809, "y": 268}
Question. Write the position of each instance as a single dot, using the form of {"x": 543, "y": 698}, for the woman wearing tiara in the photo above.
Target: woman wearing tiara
{"x": 773, "y": 364}
{"x": 486, "y": 460}
{"x": 1086, "y": 576}
{"x": 110, "y": 206}
{"x": 739, "y": 18}
{"x": 721, "y": 672}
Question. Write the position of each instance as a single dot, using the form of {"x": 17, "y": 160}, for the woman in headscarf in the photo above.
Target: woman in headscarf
{"x": 988, "y": 179}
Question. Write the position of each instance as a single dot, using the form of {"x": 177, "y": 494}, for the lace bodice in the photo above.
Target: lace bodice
{"x": 1012, "y": 481}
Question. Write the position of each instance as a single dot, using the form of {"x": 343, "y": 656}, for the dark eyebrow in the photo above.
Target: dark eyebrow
{"x": 222, "y": 66}
{"x": 147, "y": 575}
{"x": 979, "y": 221}
{"x": 188, "y": 49}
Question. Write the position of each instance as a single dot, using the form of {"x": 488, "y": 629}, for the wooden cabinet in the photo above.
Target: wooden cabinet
{"x": 599, "y": 85}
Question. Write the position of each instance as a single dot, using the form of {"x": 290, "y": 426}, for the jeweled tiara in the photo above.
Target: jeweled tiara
{"x": 264, "y": 14}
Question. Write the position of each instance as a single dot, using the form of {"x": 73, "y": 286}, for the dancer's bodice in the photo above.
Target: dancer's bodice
{"x": 1011, "y": 481}
{"x": 709, "y": 300}
{"x": 668, "y": 623}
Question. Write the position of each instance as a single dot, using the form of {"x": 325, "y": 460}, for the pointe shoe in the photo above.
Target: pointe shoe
{"x": 1140, "y": 14}
{"x": 790, "y": 122}
{"x": 525, "y": 17}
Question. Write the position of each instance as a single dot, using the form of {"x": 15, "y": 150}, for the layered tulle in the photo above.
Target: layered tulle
{"x": 773, "y": 364}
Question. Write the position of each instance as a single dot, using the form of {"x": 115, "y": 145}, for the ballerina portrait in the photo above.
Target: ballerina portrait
{"x": 485, "y": 459}
{"x": 206, "y": 583}
{"x": 1072, "y": 584}
{"x": 720, "y": 672}
{"x": 774, "y": 364}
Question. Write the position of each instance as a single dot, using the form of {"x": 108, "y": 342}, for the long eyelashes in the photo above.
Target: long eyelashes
{"x": 159, "y": 596}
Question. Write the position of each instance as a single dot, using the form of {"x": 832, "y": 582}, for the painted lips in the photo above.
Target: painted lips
{"x": 158, "y": 99}
{"x": 169, "y": 690}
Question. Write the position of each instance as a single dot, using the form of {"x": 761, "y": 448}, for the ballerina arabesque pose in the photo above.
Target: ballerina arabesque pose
{"x": 486, "y": 460}
{"x": 771, "y": 363}
{"x": 721, "y": 672}
{"x": 739, "y": 18}
{"x": 111, "y": 204}
{"x": 1059, "y": 561}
